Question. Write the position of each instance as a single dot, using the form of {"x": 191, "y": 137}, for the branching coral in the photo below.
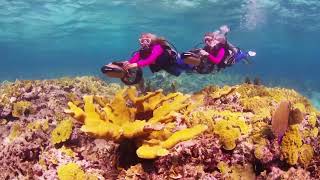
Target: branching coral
{"x": 151, "y": 152}
{"x": 130, "y": 116}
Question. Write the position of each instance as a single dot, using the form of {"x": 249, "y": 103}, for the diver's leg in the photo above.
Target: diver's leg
{"x": 174, "y": 70}
{"x": 241, "y": 55}
{"x": 180, "y": 63}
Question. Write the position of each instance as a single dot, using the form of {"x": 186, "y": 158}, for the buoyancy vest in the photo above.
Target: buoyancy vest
{"x": 227, "y": 60}
{"x": 166, "y": 59}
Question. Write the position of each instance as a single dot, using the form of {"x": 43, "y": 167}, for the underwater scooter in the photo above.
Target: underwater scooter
{"x": 201, "y": 64}
{"x": 128, "y": 77}
{"x": 204, "y": 66}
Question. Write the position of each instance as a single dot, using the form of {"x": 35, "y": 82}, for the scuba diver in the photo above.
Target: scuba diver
{"x": 217, "y": 53}
{"x": 155, "y": 52}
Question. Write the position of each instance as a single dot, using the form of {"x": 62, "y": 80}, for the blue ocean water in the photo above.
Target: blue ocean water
{"x": 53, "y": 38}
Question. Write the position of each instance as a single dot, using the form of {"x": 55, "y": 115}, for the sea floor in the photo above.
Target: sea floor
{"x": 86, "y": 128}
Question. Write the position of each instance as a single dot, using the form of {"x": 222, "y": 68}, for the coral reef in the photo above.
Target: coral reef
{"x": 84, "y": 128}
{"x": 118, "y": 121}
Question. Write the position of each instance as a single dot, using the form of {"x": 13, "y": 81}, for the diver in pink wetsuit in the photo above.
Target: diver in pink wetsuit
{"x": 217, "y": 48}
{"x": 217, "y": 53}
{"x": 156, "y": 53}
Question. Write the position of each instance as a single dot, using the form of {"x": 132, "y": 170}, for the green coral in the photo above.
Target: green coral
{"x": 19, "y": 108}
{"x": 62, "y": 132}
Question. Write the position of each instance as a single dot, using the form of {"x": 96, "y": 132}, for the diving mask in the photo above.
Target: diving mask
{"x": 145, "y": 41}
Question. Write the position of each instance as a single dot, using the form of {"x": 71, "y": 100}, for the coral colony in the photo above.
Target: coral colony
{"x": 84, "y": 128}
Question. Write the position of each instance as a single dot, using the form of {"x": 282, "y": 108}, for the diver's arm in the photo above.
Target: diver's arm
{"x": 218, "y": 58}
{"x": 156, "y": 52}
{"x": 135, "y": 58}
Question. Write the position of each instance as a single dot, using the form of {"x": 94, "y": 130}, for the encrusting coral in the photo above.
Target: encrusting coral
{"x": 62, "y": 132}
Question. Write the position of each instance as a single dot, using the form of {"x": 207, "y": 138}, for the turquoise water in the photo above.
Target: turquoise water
{"x": 53, "y": 38}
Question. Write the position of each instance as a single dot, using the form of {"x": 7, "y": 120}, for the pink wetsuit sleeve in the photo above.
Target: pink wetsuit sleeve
{"x": 135, "y": 58}
{"x": 156, "y": 52}
{"x": 218, "y": 58}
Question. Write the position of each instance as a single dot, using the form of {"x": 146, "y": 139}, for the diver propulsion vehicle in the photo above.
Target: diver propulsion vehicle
{"x": 203, "y": 65}
{"x": 128, "y": 77}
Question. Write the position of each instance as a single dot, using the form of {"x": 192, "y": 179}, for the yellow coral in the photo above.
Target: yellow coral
{"x": 77, "y": 112}
{"x": 312, "y": 119}
{"x": 225, "y": 90}
{"x": 73, "y": 98}
{"x": 62, "y": 132}
{"x": 230, "y": 129}
{"x": 291, "y": 144}
{"x": 118, "y": 120}
{"x": 183, "y": 135}
{"x": 15, "y": 131}
{"x": 134, "y": 129}
{"x": 299, "y": 106}
{"x": 100, "y": 128}
{"x": 3, "y": 121}
{"x": 314, "y": 132}
{"x": 20, "y": 108}
{"x": 117, "y": 111}
{"x": 306, "y": 154}
{"x": 67, "y": 151}
{"x": 242, "y": 172}
{"x": 164, "y": 112}
{"x": 151, "y": 152}
{"x": 223, "y": 167}
{"x": 71, "y": 171}
{"x": 202, "y": 117}
{"x": 38, "y": 124}
{"x": 259, "y": 151}
{"x": 257, "y": 104}
{"x": 262, "y": 114}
